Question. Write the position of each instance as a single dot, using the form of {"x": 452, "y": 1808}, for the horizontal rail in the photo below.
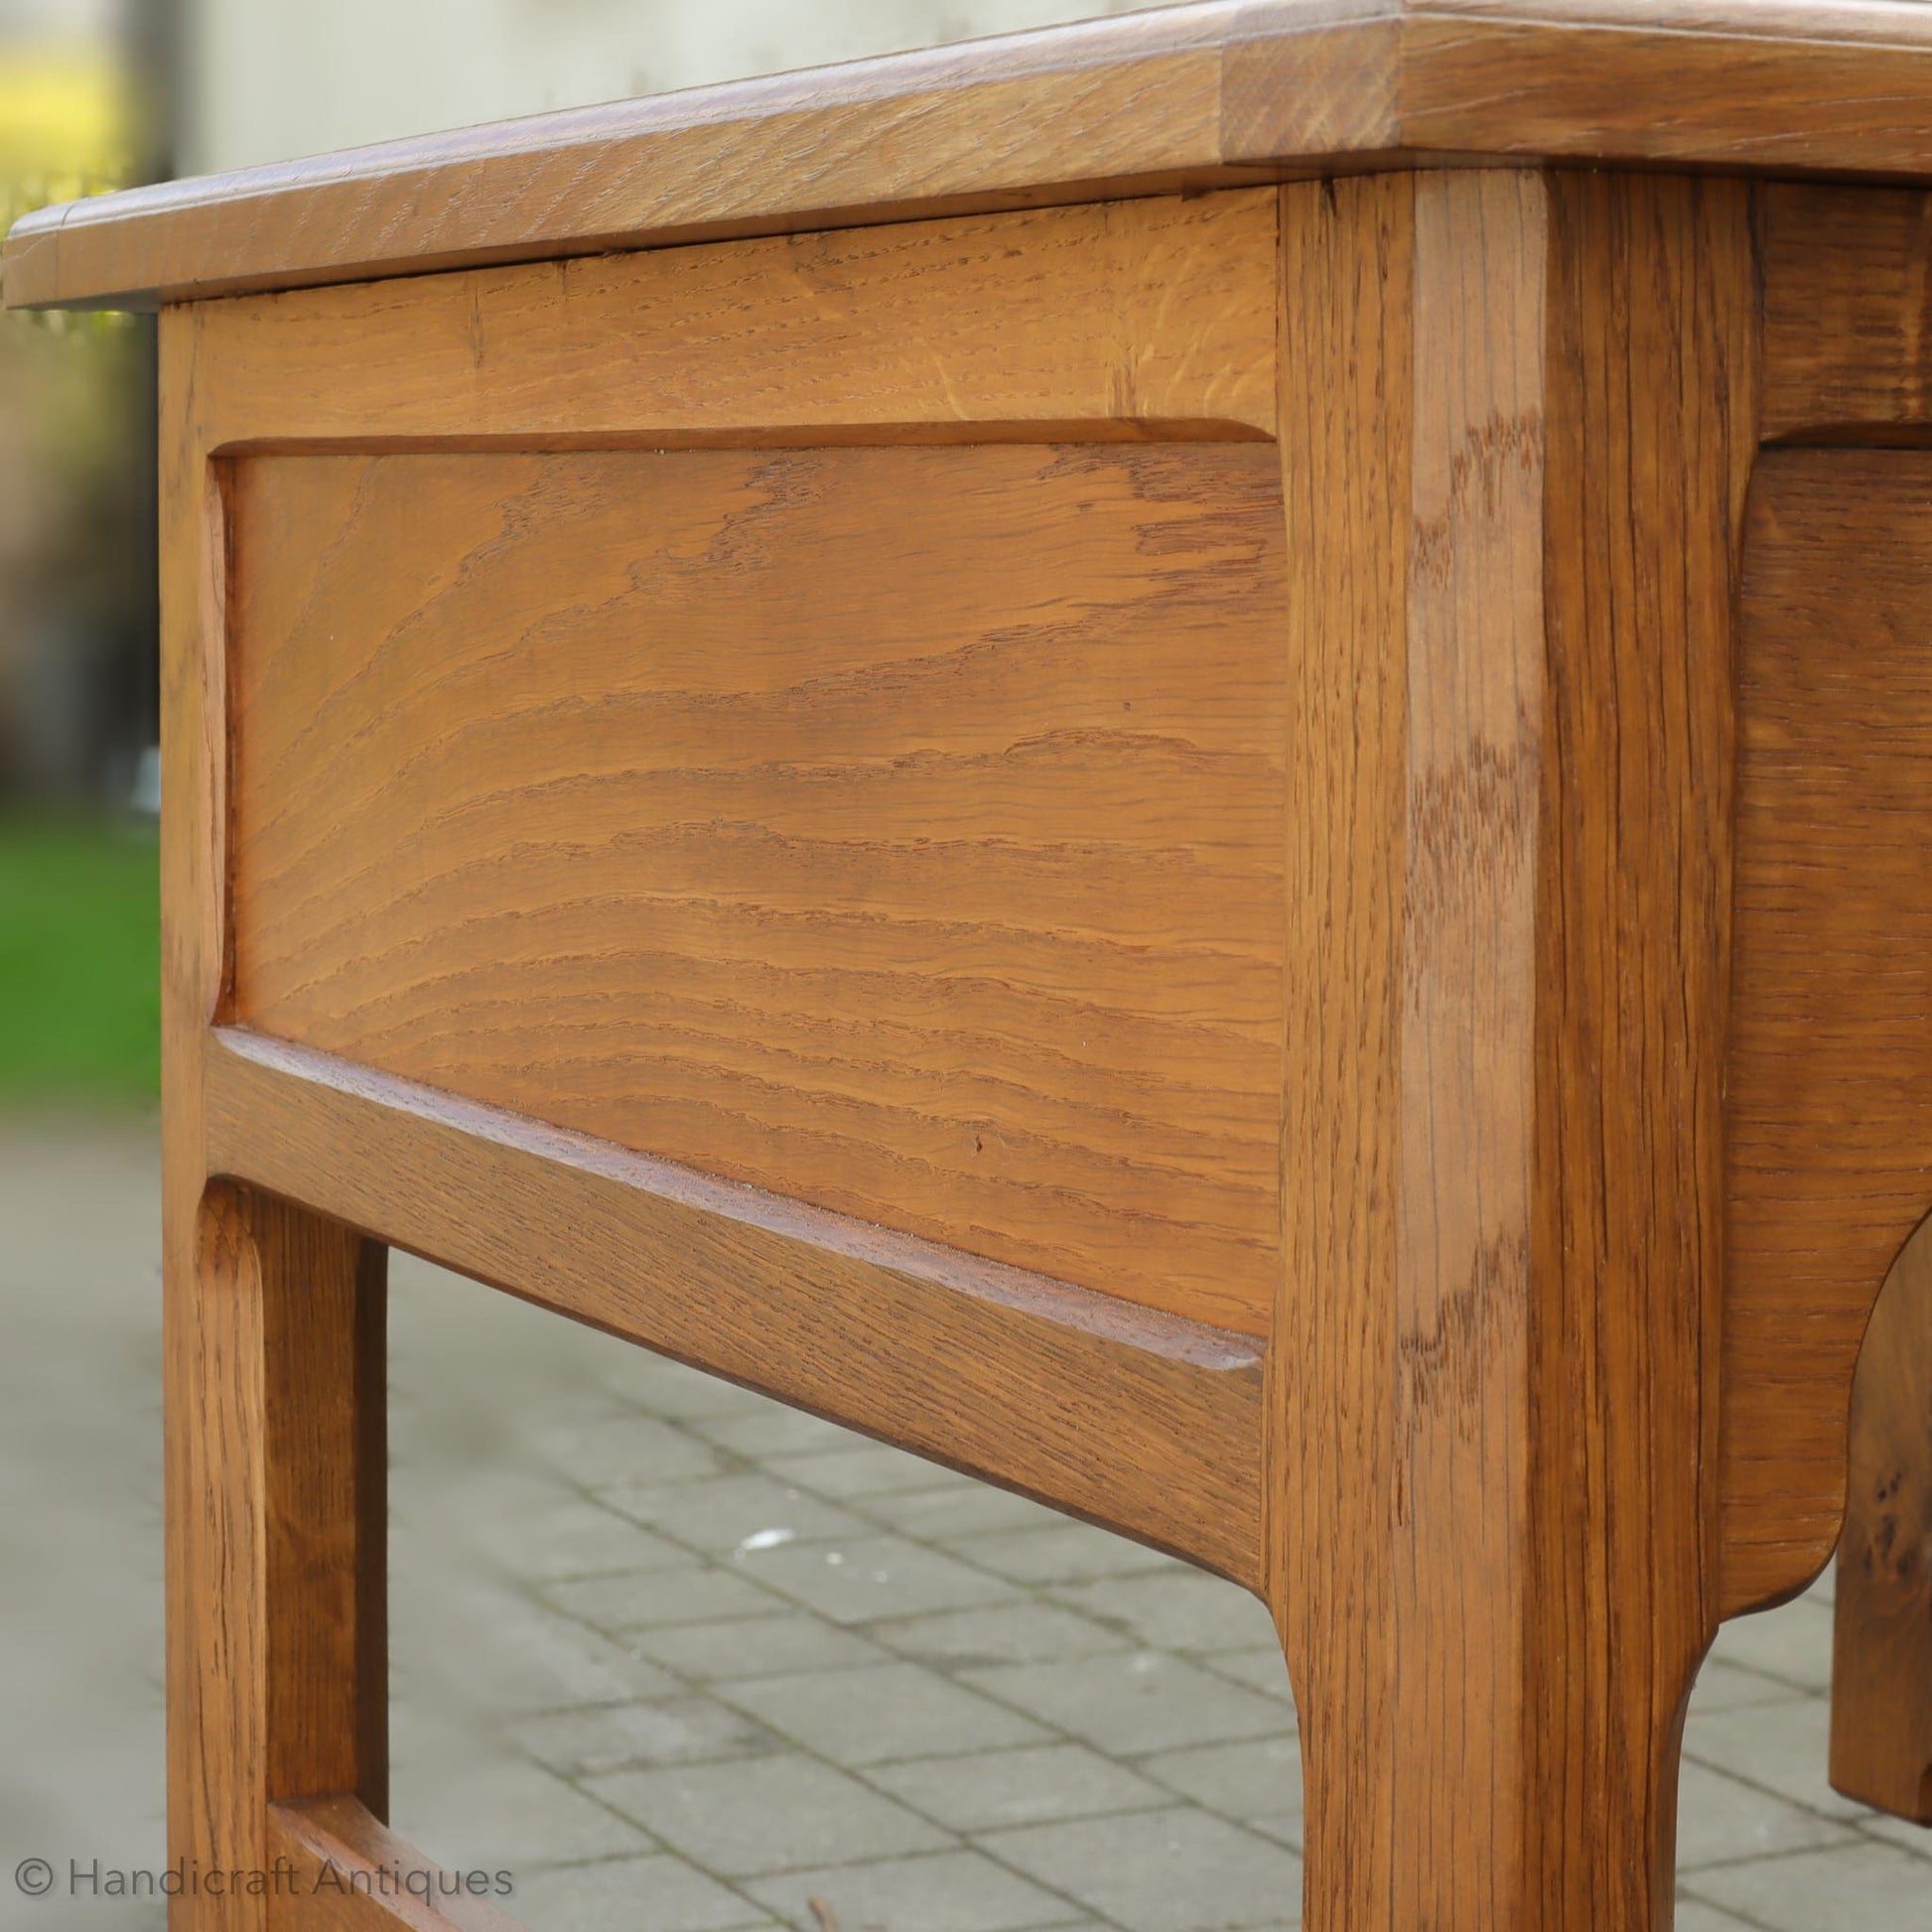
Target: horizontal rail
{"x": 1143, "y": 1422}
{"x": 339, "y": 1871}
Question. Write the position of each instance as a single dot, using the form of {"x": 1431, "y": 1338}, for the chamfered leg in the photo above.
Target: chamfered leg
{"x": 1516, "y": 424}
{"x": 1882, "y": 1659}
{"x": 276, "y": 1503}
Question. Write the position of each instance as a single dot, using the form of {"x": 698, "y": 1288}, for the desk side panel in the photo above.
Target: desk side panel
{"x": 894, "y": 828}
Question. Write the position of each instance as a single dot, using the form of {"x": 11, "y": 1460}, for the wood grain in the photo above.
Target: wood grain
{"x": 1187, "y": 97}
{"x": 1139, "y": 1420}
{"x": 1144, "y": 318}
{"x": 893, "y": 828}
{"x": 1032, "y": 118}
{"x": 1145, "y": 1423}
{"x": 1830, "y": 1104}
{"x": 1357, "y": 272}
{"x": 1516, "y": 422}
{"x": 346, "y": 1873}
{"x": 272, "y": 1334}
{"x": 1778, "y": 87}
{"x": 276, "y": 1529}
{"x": 1848, "y": 278}
{"x": 1652, "y": 414}
{"x": 1881, "y": 1662}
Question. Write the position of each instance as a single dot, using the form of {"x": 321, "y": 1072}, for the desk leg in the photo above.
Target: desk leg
{"x": 1516, "y": 427}
{"x": 1881, "y": 1664}
{"x": 276, "y": 1535}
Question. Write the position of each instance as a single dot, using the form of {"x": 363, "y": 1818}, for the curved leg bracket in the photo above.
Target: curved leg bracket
{"x": 1881, "y": 1664}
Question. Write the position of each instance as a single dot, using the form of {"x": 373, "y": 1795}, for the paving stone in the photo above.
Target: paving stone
{"x": 717, "y": 1515}
{"x": 1141, "y": 1701}
{"x": 871, "y": 1578}
{"x": 1693, "y": 1916}
{"x": 958, "y": 1509}
{"x": 539, "y": 1531}
{"x": 696, "y": 1592}
{"x": 1257, "y": 1782}
{"x": 1729, "y": 1687}
{"x": 566, "y": 1667}
{"x": 1721, "y": 1819}
{"x": 1175, "y": 1610}
{"x": 660, "y": 1892}
{"x": 1792, "y": 1643}
{"x": 1782, "y": 1748}
{"x": 771, "y": 1429}
{"x": 503, "y": 1814}
{"x": 1177, "y": 1871}
{"x": 514, "y": 1655}
{"x": 1024, "y": 1632}
{"x": 944, "y": 1892}
{"x": 1856, "y": 1888}
{"x": 756, "y": 1646}
{"x": 623, "y": 1447}
{"x": 761, "y": 1815}
{"x": 1913, "y": 1839}
{"x": 872, "y": 1716}
{"x": 659, "y": 1386}
{"x": 475, "y": 1607}
{"x": 615, "y": 1737}
{"x": 984, "y": 1790}
{"x": 869, "y": 1469}
{"x": 1264, "y": 1668}
{"x": 1060, "y": 1553}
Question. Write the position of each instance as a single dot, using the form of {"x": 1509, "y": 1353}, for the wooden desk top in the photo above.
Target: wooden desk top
{"x": 1194, "y": 96}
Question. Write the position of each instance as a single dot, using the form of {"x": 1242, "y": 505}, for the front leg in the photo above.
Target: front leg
{"x": 1515, "y": 432}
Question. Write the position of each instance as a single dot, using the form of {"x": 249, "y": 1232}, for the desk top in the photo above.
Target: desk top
{"x": 1187, "y": 97}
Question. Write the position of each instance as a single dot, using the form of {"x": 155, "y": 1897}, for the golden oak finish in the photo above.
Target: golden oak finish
{"x": 1028, "y": 120}
{"x": 1517, "y": 417}
{"x": 1846, "y": 277}
{"x": 1143, "y": 318}
{"x": 1144, "y": 1422}
{"x": 1123, "y": 840}
{"x": 1652, "y": 417}
{"x": 277, "y": 1524}
{"x": 346, "y": 1873}
{"x": 1765, "y": 85}
{"x": 1136, "y": 1419}
{"x": 1346, "y": 371}
{"x": 951, "y": 899}
{"x": 1882, "y": 1669}
{"x": 1831, "y": 1068}
{"x": 1188, "y": 97}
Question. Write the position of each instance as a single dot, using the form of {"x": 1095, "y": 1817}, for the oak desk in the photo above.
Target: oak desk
{"x": 1189, "y": 760}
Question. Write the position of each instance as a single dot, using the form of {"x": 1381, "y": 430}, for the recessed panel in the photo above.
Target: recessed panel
{"x": 895, "y": 828}
{"x": 1829, "y": 1088}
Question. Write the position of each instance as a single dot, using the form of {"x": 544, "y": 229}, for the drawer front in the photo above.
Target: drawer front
{"x": 894, "y": 827}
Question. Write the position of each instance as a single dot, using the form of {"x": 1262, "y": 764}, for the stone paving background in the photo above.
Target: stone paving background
{"x": 681, "y": 1659}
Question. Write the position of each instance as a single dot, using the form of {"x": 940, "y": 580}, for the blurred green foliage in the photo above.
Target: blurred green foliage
{"x": 79, "y": 925}
{"x": 80, "y": 961}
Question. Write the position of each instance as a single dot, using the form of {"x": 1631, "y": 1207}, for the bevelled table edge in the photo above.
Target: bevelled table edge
{"x": 1177, "y": 99}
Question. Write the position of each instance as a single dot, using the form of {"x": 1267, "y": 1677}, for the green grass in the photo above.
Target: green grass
{"x": 80, "y": 961}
